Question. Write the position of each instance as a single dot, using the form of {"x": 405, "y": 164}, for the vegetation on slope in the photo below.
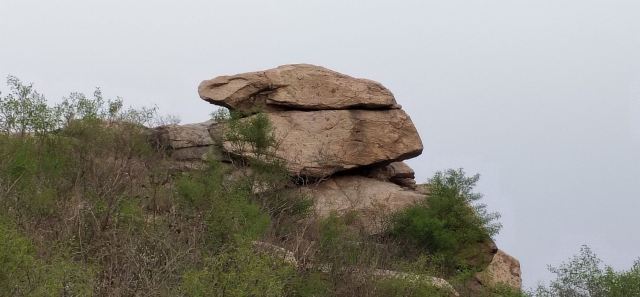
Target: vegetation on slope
{"x": 88, "y": 206}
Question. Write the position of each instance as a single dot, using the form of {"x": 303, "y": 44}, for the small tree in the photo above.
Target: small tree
{"x": 585, "y": 276}
{"x": 23, "y": 110}
{"x": 449, "y": 221}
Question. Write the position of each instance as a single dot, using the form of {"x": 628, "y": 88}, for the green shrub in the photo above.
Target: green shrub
{"x": 448, "y": 222}
{"x": 407, "y": 288}
{"x": 22, "y": 274}
{"x": 343, "y": 247}
{"x": 310, "y": 284}
{"x": 505, "y": 291}
{"x": 238, "y": 272}
{"x": 235, "y": 219}
{"x": 230, "y": 214}
{"x": 584, "y": 275}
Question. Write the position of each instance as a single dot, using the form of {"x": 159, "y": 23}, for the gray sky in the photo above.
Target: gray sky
{"x": 540, "y": 97}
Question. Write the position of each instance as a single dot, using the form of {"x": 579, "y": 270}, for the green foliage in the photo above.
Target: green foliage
{"x": 235, "y": 220}
{"x": 342, "y": 247}
{"x": 71, "y": 178}
{"x": 92, "y": 208}
{"x": 249, "y": 134}
{"x": 230, "y": 214}
{"x": 449, "y": 221}
{"x": 310, "y": 284}
{"x": 238, "y": 272}
{"x": 392, "y": 287}
{"x": 585, "y": 276}
{"x": 23, "y": 110}
{"x": 505, "y": 291}
{"x": 22, "y": 274}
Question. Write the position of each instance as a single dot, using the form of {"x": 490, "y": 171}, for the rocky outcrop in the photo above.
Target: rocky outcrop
{"x": 398, "y": 173}
{"x": 324, "y": 121}
{"x": 185, "y": 136}
{"x": 342, "y": 138}
{"x": 320, "y": 143}
{"x": 299, "y": 86}
{"x": 503, "y": 269}
{"x": 372, "y": 199}
{"x": 187, "y": 145}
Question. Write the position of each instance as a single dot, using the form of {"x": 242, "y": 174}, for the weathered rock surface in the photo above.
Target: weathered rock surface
{"x": 275, "y": 251}
{"x": 290, "y": 258}
{"x": 320, "y": 143}
{"x": 503, "y": 269}
{"x": 188, "y": 145}
{"x": 398, "y": 173}
{"x": 183, "y": 136}
{"x": 434, "y": 281}
{"x": 372, "y": 199}
{"x": 297, "y": 86}
{"x": 350, "y": 135}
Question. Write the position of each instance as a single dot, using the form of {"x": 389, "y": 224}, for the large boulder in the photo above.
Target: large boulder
{"x": 370, "y": 198}
{"x": 187, "y": 145}
{"x": 297, "y": 86}
{"x": 184, "y": 136}
{"x": 503, "y": 269}
{"x": 320, "y": 143}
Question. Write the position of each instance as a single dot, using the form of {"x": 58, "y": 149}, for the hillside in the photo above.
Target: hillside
{"x": 296, "y": 188}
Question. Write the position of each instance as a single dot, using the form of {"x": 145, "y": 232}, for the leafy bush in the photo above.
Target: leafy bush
{"x": 310, "y": 284}
{"x": 23, "y": 110}
{"x": 585, "y": 276}
{"x": 505, "y": 291}
{"x": 449, "y": 221}
{"x": 407, "y": 288}
{"x": 23, "y": 274}
{"x": 91, "y": 207}
{"x": 239, "y": 272}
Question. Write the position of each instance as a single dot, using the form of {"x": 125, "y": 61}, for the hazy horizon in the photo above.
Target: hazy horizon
{"x": 541, "y": 98}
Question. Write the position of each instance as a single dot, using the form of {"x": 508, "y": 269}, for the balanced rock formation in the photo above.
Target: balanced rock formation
{"x": 324, "y": 121}
{"x": 345, "y": 137}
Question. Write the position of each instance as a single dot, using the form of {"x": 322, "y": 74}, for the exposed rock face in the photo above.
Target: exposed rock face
{"x": 320, "y": 143}
{"x": 503, "y": 269}
{"x": 185, "y": 136}
{"x": 346, "y": 133}
{"x": 398, "y": 173}
{"x": 371, "y": 198}
{"x": 298, "y": 86}
{"x": 188, "y": 145}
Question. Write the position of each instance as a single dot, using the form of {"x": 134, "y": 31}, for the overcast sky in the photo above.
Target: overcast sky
{"x": 540, "y": 97}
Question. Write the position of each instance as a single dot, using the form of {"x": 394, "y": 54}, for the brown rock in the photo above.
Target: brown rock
{"x": 417, "y": 278}
{"x": 503, "y": 269}
{"x": 183, "y": 136}
{"x": 396, "y": 172}
{"x": 405, "y": 182}
{"x": 372, "y": 199}
{"x": 191, "y": 153}
{"x": 320, "y": 143}
{"x": 392, "y": 170}
{"x": 297, "y": 86}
